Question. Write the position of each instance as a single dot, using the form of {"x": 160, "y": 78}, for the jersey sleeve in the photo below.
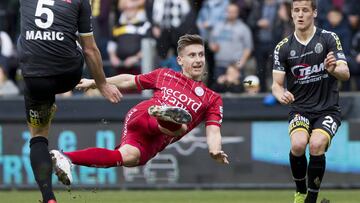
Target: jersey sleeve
{"x": 148, "y": 80}
{"x": 84, "y": 22}
{"x": 335, "y": 46}
{"x": 214, "y": 114}
{"x": 279, "y": 56}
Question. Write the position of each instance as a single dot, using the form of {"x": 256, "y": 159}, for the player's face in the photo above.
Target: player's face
{"x": 192, "y": 61}
{"x": 303, "y": 15}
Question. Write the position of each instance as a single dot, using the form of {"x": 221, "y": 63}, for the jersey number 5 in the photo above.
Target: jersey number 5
{"x": 40, "y": 10}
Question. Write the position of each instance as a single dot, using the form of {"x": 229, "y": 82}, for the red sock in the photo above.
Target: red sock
{"x": 96, "y": 157}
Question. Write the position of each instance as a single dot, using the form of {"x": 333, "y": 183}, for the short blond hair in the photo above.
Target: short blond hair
{"x": 187, "y": 40}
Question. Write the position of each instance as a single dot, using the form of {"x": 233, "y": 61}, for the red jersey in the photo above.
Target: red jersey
{"x": 175, "y": 89}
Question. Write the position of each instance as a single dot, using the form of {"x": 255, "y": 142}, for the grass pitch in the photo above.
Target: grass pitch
{"x": 177, "y": 196}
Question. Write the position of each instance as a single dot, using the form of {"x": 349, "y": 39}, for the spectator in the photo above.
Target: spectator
{"x": 171, "y": 19}
{"x": 125, "y": 48}
{"x": 245, "y": 7}
{"x": 352, "y": 9}
{"x": 7, "y": 87}
{"x": 231, "y": 42}
{"x": 212, "y": 12}
{"x": 101, "y": 10}
{"x": 6, "y": 49}
{"x": 283, "y": 25}
{"x": 230, "y": 81}
{"x": 260, "y": 20}
{"x": 337, "y": 22}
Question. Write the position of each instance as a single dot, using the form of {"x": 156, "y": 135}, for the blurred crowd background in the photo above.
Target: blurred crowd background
{"x": 240, "y": 36}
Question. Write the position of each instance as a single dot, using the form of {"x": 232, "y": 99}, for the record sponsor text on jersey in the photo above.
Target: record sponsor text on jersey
{"x": 179, "y": 99}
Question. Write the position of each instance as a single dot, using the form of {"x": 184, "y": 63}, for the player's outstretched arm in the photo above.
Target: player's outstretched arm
{"x": 213, "y": 137}
{"x": 278, "y": 90}
{"x": 122, "y": 81}
{"x": 94, "y": 62}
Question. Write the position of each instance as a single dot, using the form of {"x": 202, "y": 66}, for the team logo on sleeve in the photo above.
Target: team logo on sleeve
{"x": 341, "y": 56}
{"x": 319, "y": 48}
{"x": 199, "y": 91}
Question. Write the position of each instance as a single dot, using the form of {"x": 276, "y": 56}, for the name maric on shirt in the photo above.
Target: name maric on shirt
{"x": 44, "y": 35}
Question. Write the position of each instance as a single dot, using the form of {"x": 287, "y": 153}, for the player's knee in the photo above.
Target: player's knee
{"x": 130, "y": 155}
{"x": 298, "y": 147}
{"x": 317, "y": 147}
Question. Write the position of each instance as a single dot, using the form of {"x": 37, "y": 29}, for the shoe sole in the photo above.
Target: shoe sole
{"x": 62, "y": 177}
{"x": 173, "y": 114}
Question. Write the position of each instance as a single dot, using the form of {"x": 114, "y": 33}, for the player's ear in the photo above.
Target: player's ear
{"x": 315, "y": 13}
{"x": 179, "y": 60}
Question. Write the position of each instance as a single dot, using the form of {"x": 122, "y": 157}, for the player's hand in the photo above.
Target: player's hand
{"x": 85, "y": 84}
{"x": 330, "y": 62}
{"x": 110, "y": 92}
{"x": 219, "y": 156}
{"x": 287, "y": 98}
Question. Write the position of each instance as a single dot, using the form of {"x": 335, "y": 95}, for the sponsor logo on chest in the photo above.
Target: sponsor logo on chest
{"x": 304, "y": 70}
{"x": 182, "y": 100}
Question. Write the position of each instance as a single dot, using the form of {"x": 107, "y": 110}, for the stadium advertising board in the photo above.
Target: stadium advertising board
{"x": 258, "y": 154}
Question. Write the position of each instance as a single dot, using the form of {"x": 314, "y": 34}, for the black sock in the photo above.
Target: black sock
{"x": 298, "y": 168}
{"x": 316, "y": 172}
{"x": 42, "y": 166}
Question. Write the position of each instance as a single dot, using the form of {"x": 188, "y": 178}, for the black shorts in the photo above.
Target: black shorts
{"x": 325, "y": 122}
{"x": 39, "y": 95}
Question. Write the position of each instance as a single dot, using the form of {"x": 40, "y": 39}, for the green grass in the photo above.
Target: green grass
{"x": 177, "y": 196}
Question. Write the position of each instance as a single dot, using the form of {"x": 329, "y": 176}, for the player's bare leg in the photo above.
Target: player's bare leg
{"x": 130, "y": 154}
{"x": 298, "y": 163}
{"x": 318, "y": 143}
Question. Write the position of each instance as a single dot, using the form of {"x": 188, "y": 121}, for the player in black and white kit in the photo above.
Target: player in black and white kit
{"x": 52, "y": 63}
{"x": 311, "y": 60}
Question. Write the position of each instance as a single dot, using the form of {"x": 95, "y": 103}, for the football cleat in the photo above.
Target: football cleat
{"x": 62, "y": 166}
{"x": 299, "y": 197}
{"x": 170, "y": 113}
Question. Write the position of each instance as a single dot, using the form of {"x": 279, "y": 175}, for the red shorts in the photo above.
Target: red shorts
{"x": 141, "y": 131}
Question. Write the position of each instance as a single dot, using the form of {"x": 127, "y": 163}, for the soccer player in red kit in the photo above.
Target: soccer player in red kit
{"x": 180, "y": 102}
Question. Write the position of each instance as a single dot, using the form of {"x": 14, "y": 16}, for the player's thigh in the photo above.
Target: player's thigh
{"x": 299, "y": 131}
{"x": 140, "y": 130}
{"x": 67, "y": 81}
{"x": 325, "y": 128}
{"x": 39, "y": 95}
{"x": 39, "y": 99}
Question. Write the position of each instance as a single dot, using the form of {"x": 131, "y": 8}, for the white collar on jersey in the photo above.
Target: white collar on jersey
{"x": 308, "y": 40}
